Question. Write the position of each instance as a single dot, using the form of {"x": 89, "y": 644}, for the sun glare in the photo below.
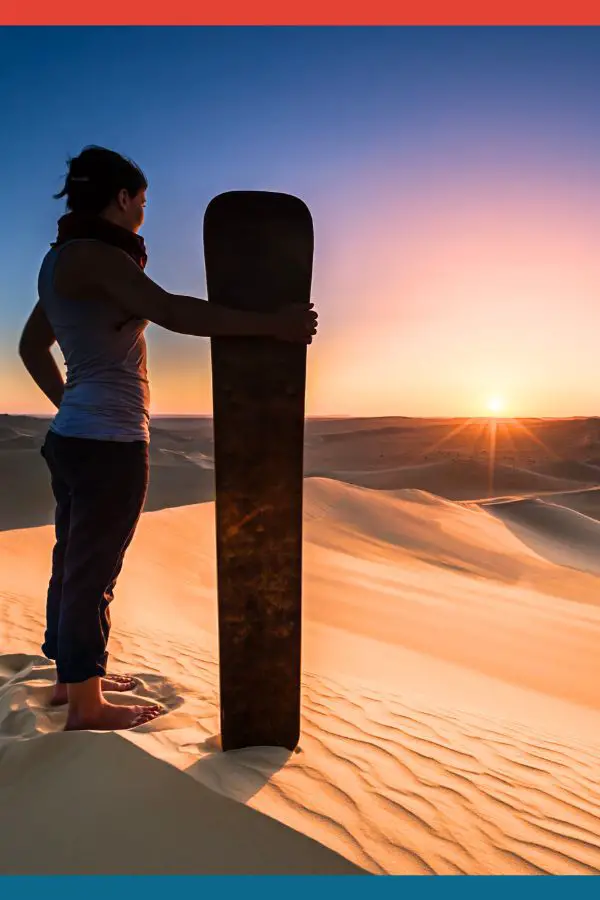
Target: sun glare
{"x": 495, "y": 405}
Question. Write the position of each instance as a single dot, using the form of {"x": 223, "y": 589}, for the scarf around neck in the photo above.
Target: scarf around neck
{"x": 75, "y": 226}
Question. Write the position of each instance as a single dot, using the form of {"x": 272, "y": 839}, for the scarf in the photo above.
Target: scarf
{"x": 74, "y": 226}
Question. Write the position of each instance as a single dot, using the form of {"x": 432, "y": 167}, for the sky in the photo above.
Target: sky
{"x": 453, "y": 175}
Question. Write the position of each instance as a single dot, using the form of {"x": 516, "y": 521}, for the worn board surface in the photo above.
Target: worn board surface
{"x": 258, "y": 250}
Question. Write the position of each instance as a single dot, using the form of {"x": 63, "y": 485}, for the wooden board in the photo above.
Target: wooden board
{"x": 258, "y": 250}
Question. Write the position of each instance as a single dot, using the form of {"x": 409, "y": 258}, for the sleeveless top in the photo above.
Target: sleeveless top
{"x": 106, "y": 394}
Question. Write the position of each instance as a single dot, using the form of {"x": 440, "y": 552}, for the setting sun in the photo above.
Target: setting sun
{"x": 495, "y": 404}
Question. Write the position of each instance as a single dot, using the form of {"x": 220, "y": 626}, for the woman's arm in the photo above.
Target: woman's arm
{"x": 34, "y": 349}
{"x": 92, "y": 268}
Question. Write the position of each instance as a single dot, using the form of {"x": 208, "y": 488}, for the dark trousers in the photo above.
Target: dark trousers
{"x": 100, "y": 488}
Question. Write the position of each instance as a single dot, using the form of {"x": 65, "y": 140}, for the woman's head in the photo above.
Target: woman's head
{"x": 101, "y": 182}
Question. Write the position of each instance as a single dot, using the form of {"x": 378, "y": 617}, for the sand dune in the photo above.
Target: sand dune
{"x": 18, "y": 442}
{"x": 565, "y": 534}
{"x": 451, "y": 692}
{"x": 586, "y": 501}
{"x": 25, "y": 490}
{"x": 572, "y": 471}
{"x": 456, "y": 479}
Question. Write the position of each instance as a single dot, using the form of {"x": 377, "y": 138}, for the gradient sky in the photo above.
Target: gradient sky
{"x": 453, "y": 176}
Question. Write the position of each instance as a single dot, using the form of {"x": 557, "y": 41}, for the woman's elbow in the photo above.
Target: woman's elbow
{"x": 29, "y": 349}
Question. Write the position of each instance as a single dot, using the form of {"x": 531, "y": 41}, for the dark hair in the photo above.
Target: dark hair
{"x": 96, "y": 176}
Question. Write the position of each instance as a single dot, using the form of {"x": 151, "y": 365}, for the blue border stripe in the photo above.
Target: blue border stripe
{"x": 163, "y": 887}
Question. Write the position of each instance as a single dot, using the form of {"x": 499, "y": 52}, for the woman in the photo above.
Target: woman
{"x": 96, "y": 301}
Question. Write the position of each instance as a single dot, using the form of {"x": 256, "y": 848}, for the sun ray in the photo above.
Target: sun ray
{"x": 505, "y": 432}
{"x": 455, "y": 431}
{"x": 492, "y": 425}
{"x": 534, "y": 438}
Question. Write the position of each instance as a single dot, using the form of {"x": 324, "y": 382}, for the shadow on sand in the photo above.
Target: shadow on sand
{"x": 244, "y": 772}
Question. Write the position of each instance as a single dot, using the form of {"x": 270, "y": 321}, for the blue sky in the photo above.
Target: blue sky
{"x": 396, "y": 138}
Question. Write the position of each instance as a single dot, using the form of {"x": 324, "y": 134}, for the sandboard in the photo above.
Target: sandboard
{"x": 258, "y": 250}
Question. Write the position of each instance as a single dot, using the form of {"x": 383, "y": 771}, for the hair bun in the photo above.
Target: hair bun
{"x": 96, "y": 176}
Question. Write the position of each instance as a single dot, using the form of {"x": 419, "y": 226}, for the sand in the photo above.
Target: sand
{"x": 451, "y": 691}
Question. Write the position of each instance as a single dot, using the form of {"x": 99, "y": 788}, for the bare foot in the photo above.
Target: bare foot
{"x": 118, "y": 683}
{"x": 111, "y": 717}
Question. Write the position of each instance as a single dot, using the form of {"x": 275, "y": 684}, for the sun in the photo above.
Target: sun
{"x": 495, "y": 404}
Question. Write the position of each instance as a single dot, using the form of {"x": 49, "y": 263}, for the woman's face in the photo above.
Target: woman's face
{"x": 132, "y": 209}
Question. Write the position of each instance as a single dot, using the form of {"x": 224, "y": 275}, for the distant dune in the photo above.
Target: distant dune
{"x": 572, "y": 471}
{"x": 457, "y": 479}
{"x": 568, "y": 536}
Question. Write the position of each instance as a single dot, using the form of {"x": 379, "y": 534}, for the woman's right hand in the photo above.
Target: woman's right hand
{"x": 296, "y": 322}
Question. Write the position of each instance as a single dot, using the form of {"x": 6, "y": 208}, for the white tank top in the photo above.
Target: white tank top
{"x": 106, "y": 393}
